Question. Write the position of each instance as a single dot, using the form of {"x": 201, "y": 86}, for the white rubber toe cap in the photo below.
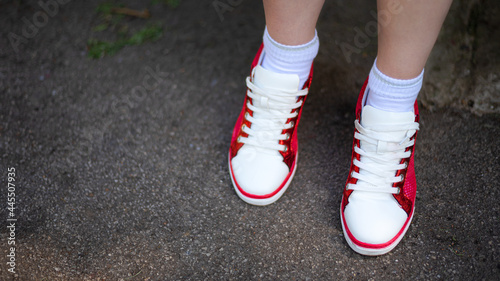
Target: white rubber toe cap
{"x": 374, "y": 218}
{"x": 259, "y": 172}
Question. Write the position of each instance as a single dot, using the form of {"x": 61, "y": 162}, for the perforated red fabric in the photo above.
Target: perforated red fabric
{"x": 346, "y": 192}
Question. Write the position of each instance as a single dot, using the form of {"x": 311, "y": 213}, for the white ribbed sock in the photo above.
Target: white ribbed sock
{"x": 286, "y": 59}
{"x": 391, "y": 94}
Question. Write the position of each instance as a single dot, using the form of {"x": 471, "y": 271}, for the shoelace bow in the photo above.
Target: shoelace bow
{"x": 272, "y": 110}
{"x": 381, "y": 166}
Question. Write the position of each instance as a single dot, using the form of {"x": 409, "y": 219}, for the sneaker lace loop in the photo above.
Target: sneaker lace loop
{"x": 378, "y": 168}
{"x": 271, "y": 109}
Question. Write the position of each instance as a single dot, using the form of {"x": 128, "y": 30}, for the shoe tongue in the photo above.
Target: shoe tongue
{"x": 373, "y": 117}
{"x": 266, "y": 79}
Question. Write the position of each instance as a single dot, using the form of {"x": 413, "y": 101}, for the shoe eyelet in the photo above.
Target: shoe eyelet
{"x": 287, "y": 136}
{"x": 246, "y": 115}
{"x": 399, "y": 191}
{"x": 406, "y": 164}
{"x": 238, "y": 140}
{"x": 243, "y": 127}
{"x": 292, "y": 124}
{"x": 286, "y": 148}
{"x": 402, "y": 176}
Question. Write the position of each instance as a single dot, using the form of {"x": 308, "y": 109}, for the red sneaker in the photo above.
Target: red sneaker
{"x": 379, "y": 197}
{"x": 263, "y": 152}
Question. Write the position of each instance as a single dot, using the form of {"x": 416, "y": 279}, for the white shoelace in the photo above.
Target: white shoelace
{"x": 271, "y": 109}
{"x": 381, "y": 165}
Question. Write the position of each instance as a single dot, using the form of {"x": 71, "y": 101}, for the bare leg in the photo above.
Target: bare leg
{"x": 407, "y": 32}
{"x": 292, "y": 22}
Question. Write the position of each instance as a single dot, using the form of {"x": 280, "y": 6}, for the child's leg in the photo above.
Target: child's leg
{"x": 405, "y": 41}
{"x": 290, "y": 41}
{"x": 292, "y": 22}
{"x": 407, "y": 33}
{"x": 378, "y": 200}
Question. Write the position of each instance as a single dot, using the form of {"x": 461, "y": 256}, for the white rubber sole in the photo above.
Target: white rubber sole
{"x": 371, "y": 251}
{"x": 265, "y": 201}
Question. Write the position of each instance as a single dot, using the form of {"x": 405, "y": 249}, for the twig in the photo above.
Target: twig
{"x": 134, "y": 275}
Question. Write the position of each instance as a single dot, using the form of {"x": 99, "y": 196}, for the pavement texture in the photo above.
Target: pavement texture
{"x": 121, "y": 162}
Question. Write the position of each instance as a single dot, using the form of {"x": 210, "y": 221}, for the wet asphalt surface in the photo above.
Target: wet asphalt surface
{"x": 121, "y": 162}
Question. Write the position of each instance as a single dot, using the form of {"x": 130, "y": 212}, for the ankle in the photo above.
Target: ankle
{"x": 391, "y": 94}
{"x": 287, "y": 59}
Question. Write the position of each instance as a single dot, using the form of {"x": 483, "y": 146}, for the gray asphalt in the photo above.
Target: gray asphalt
{"x": 121, "y": 162}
